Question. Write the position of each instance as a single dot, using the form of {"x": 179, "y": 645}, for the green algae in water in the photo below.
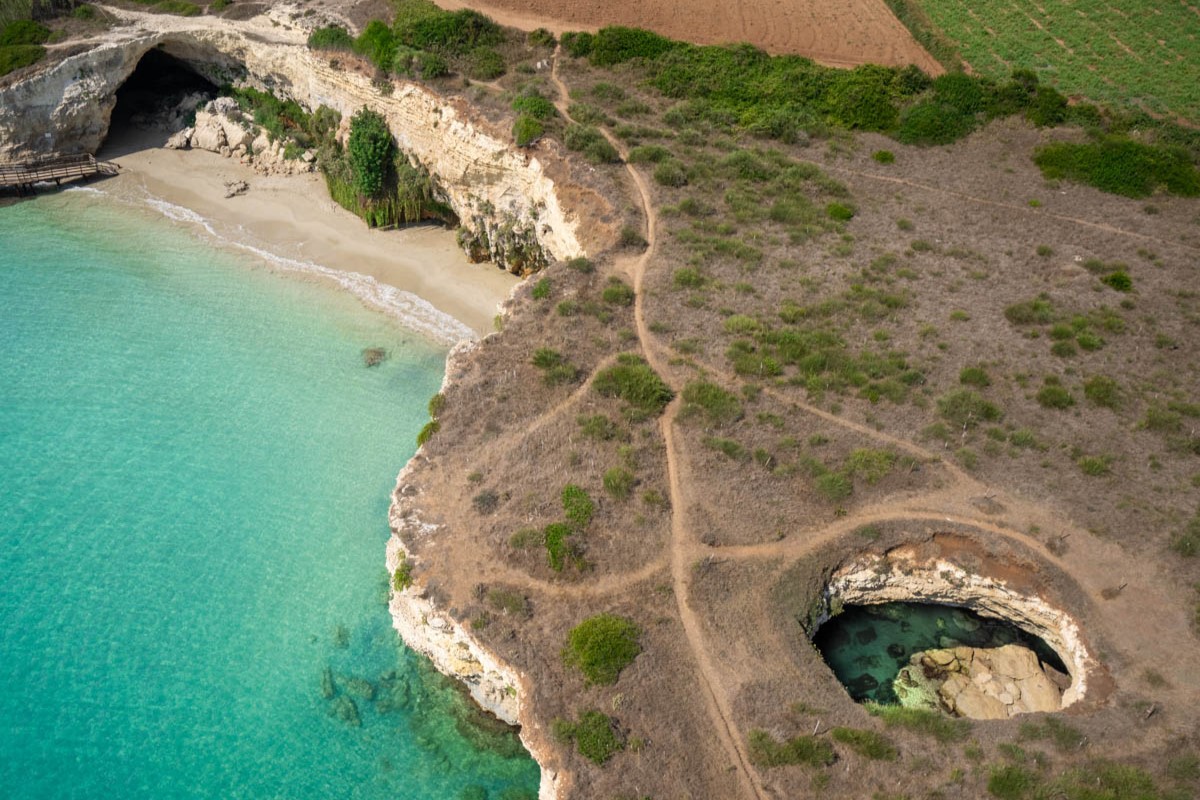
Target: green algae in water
{"x": 867, "y": 646}
{"x": 196, "y": 471}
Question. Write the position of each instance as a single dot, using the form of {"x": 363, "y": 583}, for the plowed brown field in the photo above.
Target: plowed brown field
{"x": 837, "y": 34}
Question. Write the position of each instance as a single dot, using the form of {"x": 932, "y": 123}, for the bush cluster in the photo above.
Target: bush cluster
{"x": 1120, "y": 165}
{"x": 595, "y": 735}
{"x": 601, "y": 646}
{"x": 632, "y": 380}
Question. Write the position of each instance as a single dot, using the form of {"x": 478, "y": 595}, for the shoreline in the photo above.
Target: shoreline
{"x": 290, "y": 222}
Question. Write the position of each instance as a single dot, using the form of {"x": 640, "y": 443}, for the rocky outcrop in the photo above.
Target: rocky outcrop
{"x": 900, "y": 576}
{"x": 222, "y": 128}
{"x": 504, "y": 197}
{"x": 979, "y": 683}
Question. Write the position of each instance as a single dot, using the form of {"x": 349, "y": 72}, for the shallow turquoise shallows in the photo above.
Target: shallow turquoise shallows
{"x": 194, "y": 475}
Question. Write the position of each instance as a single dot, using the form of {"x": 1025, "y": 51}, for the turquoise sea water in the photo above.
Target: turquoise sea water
{"x": 195, "y": 467}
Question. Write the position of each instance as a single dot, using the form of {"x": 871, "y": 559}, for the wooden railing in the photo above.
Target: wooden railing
{"x": 22, "y": 177}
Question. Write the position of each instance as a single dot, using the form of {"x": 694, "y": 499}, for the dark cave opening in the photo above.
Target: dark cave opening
{"x": 157, "y": 99}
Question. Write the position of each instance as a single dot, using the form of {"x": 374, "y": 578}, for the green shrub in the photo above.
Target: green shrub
{"x": 884, "y": 156}
{"x": 932, "y": 123}
{"x": 867, "y": 743}
{"x": 862, "y": 98}
{"x": 485, "y": 64}
{"x": 591, "y": 142}
{"x": 671, "y": 172}
{"x": 534, "y": 106}
{"x": 581, "y": 265}
{"x": 616, "y": 44}
{"x": 1055, "y": 395}
{"x": 1094, "y": 466}
{"x": 426, "y": 27}
{"x": 839, "y": 211}
{"x": 1030, "y": 312}
{"x": 1009, "y": 782}
{"x": 718, "y": 406}
{"x": 377, "y": 44}
{"x": 578, "y": 506}
{"x": 1118, "y": 281}
{"x": 728, "y": 447}
{"x": 18, "y": 56}
{"x": 426, "y": 433}
{"x": 1063, "y": 349}
{"x": 595, "y": 736}
{"x": 1186, "y": 542}
{"x": 23, "y": 31}
{"x": 556, "y": 370}
{"x": 601, "y": 647}
{"x": 540, "y": 37}
{"x": 974, "y": 376}
{"x": 688, "y": 278}
{"x": 1102, "y": 391}
{"x": 834, "y": 486}
{"x": 527, "y": 130}
{"x": 619, "y": 482}
{"x": 331, "y": 37}
{"x": 578, "y": 44}
{"x": 180, "y": 8}
{"x": 965, "y": 408}
{"x": 632, "y": 380}
{"x": 402, "y": 578}
{"x": 618, "y": 293}
{"x": 554, "y": 537}
{"x": 765, "y": 751}
{"x": 870, "y": 465}
{"x": 1121, "y": 166}
{"x": 370, "y": 150}
{"x": 437, "y": 404}
{"x": 599, "y": 427}
{"x": 928, "y": 723}
{"x": 648, "y": 153}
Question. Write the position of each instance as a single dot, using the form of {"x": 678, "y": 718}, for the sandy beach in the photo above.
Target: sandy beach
{"x": 293, "y": 219}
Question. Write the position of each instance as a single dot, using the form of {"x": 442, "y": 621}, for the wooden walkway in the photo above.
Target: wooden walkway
{"x": 22, "y": 177}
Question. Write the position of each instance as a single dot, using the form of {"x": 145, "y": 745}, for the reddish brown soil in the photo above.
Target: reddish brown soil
{"x": 837, "y": 34}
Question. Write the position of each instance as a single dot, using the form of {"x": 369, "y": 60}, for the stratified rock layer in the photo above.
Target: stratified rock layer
{"x": 508, "y": 205}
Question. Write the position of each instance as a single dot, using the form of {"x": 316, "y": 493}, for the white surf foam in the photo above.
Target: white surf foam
{"x": 410, "y": 310}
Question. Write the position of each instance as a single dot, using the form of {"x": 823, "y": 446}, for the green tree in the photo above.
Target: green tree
{"x": 371, "y": 151}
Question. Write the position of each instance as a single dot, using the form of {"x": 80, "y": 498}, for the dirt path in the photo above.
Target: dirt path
{"x": 716, "y": 699}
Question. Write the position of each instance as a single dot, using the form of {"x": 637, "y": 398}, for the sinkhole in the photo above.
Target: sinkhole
{"x": 921, "y": 631}
{"x": 941, "y": 658}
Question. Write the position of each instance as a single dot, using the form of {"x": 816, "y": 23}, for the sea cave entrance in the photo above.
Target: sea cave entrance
{"x": 158, "y": 98}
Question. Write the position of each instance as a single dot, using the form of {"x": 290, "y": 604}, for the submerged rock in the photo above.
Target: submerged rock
{"x": 978, "y": 683}
{"x": 374, "y": 356}
{"x": 345, "y": 709}
{"x": 328, "y": 689}
{"x": 359, "y": 687}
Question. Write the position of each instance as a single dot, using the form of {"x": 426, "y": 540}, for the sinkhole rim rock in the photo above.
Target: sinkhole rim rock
{"x": 905, "y": 574}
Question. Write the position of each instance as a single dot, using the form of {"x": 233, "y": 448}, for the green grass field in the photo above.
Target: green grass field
{"x": 1140, "y": 52}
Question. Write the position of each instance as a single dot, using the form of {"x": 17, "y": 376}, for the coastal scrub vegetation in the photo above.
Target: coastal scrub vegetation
{"x": 601, "y": 647}
{"x": 422, "y": 42}
{"x": 595, "y": 735}
{"x": 633, "y": 380}
{"x": 929, "y": 723}
{"x": 21, "y": 44}
{"x": 867, "y": 743}
{"x": 739, "y": 88}
{"x": 767, "y": 751}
